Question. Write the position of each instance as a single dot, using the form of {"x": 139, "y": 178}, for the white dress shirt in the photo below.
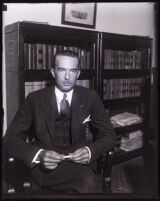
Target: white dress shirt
{"x": 59, "y": 96}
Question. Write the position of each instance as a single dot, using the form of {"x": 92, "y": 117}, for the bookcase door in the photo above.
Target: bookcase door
{"x": 125, "y": 85}
{"x": 30, "y": 51}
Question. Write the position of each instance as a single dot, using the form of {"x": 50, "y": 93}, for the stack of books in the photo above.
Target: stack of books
{"x": 132, "y": 141}
{"x": 125, "y": 119}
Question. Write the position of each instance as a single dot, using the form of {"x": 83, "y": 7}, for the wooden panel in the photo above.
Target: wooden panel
{"x": 12, "y": 87}
{"x": 10, "y": 114}
{"x": 11, "y": 52}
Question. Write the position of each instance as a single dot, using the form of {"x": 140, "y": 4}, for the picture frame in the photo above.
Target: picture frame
{"x": 79, "y": 14}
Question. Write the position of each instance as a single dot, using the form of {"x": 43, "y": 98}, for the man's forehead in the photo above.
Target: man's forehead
{"x": 66, "y": 57}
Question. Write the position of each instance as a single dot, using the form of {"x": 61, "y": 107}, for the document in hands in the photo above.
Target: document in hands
{"x": 67, "y": 157}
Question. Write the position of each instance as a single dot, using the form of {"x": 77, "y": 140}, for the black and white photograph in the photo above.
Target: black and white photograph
{"x": 79, "y": 14}
{"x": 80, "y": 100}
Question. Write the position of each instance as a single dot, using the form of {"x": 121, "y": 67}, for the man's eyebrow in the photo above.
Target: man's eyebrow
{"x": 65, "y": 68}
{"x": 58, "y": 67}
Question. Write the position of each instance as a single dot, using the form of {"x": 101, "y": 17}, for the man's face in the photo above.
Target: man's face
{"x": 66, "y": 72}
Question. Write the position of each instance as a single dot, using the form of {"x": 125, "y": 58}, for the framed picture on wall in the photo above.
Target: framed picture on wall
{"x": 79, "y": 14}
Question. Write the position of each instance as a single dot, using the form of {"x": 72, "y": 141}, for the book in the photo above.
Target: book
{"x": 88, "y": 59}
{"x": 55, "y": 49}
{"x": 41, "y": 53}
{"x": 131, "y": 144}
{"x": 26, "y": 56}
{"x": 45, "y": 56}
{"x": 50, "y": 56}
{"x": 138, "y": 59}
{"x": 126, "y": 140}
{"x": 125, "y": 119}
{"x": 30, "y": 56}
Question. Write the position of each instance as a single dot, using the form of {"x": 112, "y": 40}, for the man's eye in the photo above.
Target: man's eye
{"x": 60, "y": 69}
{"x": 73, "y": 70}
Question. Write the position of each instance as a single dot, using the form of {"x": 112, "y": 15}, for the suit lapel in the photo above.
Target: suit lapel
{"x": 49, "y": 107}
{"x": 77, "y": 115}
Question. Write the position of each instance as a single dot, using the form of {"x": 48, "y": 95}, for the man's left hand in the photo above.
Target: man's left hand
{"x": 80, "y": 156}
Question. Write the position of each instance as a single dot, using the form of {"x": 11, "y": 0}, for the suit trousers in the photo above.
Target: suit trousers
{"x": 72, "y": 177}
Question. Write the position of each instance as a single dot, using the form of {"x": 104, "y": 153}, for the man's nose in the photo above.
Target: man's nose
{"x": 67, "y": 76}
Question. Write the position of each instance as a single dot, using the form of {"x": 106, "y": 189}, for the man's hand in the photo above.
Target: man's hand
{"x": 50, "y": 159}
{"x": 80, "y": 156}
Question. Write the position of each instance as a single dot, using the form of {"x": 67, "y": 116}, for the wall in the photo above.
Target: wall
{"x": 123, "y": 18}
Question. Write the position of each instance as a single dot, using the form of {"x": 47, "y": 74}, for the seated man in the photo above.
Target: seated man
{"x": 61, "y": 158}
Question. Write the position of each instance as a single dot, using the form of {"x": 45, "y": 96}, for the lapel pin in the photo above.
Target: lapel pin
{"x": 81, "y": 106}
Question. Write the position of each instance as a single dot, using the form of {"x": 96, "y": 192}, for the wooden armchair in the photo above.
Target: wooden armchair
{"x": 16, "y": 177}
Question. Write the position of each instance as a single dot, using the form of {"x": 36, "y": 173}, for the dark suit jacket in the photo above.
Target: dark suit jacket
{"x": 38, "y": 112}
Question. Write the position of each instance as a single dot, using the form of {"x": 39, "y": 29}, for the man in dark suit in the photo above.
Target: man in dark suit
{"x": 61, "y": 156}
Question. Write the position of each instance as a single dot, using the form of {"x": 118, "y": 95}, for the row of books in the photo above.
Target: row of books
{"x": 132, "y": 141}
{"x": 117, "y": 59}
{"x": 122, "y": 88}
{"x": 34, "y": 86}
{"x": 125, "y": 119}
{"x": 84, "y": 83}
{"x": 40, "y": 56}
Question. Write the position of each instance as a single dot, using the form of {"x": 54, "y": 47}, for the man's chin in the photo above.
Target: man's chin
{"x": 66, "y": 88}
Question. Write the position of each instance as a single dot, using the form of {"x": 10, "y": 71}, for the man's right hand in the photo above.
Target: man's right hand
{"x": 50, "y": 159}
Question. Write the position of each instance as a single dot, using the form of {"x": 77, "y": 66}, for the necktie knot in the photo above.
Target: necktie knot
{"x": 64, "y": 106}
{"x": 64, "y": 96}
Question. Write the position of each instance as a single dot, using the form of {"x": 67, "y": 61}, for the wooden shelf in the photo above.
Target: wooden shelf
{"x": 122, "y": 130}
{"x": 125, "y": 73}
{"x": 125, "y": 102}
{"x": 122, "y": 156}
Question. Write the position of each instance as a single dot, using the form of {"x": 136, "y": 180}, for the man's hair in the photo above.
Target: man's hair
{"x": 66, "y": 53}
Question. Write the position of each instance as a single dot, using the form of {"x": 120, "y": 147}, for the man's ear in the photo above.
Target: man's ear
{"x": 52, "y": 72}
{"x": 78, "y": 74}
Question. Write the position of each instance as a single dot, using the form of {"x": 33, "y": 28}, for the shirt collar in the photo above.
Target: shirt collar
{"x": 59, "y": 95}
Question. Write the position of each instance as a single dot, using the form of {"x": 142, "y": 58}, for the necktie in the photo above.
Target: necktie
{"x": 64, "y": 106}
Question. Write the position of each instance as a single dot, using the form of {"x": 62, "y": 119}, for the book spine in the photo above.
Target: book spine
{"x": 88, "y": 59}
{"x": 45, "y": 56}
{"x": 39, "y": 49}
{"x": 133, "y": 135}
{"x": 50, "y": 56}
{"x": 34, "y": 53}
{"x": 55, "y": 50}
{"x": 104, "y": 59}
{"x": 26, "y": 56}
{"x": 30, "y": 56}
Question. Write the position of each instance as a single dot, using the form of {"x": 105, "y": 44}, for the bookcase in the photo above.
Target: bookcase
{"x": 29, "y": 55}
{"x": 124, "y": 87}
{"x": 116, "y": 66}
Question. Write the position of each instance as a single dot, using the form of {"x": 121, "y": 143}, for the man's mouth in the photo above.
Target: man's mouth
{"x": 66, "y": 84}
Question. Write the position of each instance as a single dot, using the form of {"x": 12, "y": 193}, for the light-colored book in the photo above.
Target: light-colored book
{"x": 126, "y": 118}
{"x": 134, "y": 134}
